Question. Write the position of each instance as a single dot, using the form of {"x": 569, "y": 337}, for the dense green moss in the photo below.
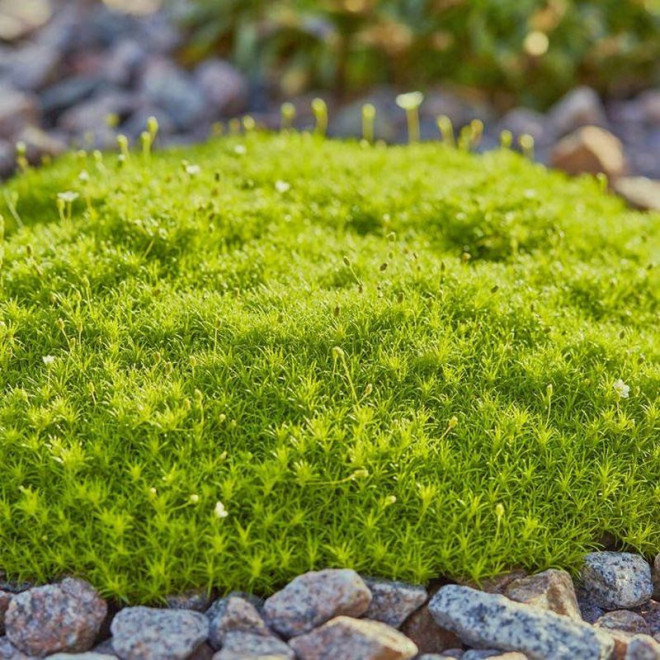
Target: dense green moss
{"x": 397, "y": 359}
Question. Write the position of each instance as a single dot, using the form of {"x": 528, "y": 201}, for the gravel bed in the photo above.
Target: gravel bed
{"x": 76, "y": 73}
{"x": 610, "y": 612}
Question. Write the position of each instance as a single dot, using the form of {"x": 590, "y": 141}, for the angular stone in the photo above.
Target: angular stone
{"x": 197, "y": 600}
{"x": 589, "y": 150}
{"x": 90, "y": 655}
{"x": 247, "y": 646}
{"x": 642, "y": 647}
{"x": 172, "y": 89}
{"x": 649, "y": 103}
{"x": 616, "y": 580}
{"x": 57, "y": 617}
{"x": 488, "y": 654}
{"x": 643, "y": 194}
{"x": 17, "y": 110}
{"x": 429, "y": 637}
{"x": 492, "y": 620}
{"x": 223, "y": 86}
{"x": 32, "y": 66}
{"x": 625, "y": 621}
{"x": 92, "y": 115}
{"x": 9, "y": 652}
{"x": 522, "y": 121}
{"x": 313, "y": 598}
{"x": 550, "y": 590}
{"x": 68, "y": 92}
{"x": 146, "y": 633}
{"x": 123, "y": 62}
{"x": 580, "y": 107}
{"x": 358, "y": 639}
{"x": 234, "y": 614}
{"x": 588, "y": 609}
{"x": 393, "y": 602}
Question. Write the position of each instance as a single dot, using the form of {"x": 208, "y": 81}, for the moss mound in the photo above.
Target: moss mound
{"x": 286, "y": 353}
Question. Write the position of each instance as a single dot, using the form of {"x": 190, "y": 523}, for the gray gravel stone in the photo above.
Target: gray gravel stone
{"x": 172, "y": 89}
{"x": 393, "y": 602}
{"x": 624, "y": 620}
{"x": 223, "y": 86}
{"x": 9, "y": 652}
{"x": 146, "y": 633}
{"x": 642, "y": 647}
{"x": 616, "y": 580}
{"x": 491, "y": 620}
{"x": 358, "y": 639}
{"x": 17, "y": 110}
{"x": 313, "y": 598}
{"x": 90, "y": 655}
{"x": 580, "y": 107}
{"x": 247, "y": 646}
{"x": 550, "y": 590}
{"x": 234, "y": 614}
{"x": 487, "y": 654}
{"x": 60, "y": 617}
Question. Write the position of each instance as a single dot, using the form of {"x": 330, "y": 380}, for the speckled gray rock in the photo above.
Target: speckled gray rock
{"x": 247, "y": 646}
{"x": 494, "y": 621}
{"x": 616, "y": 580}
{"x": 449, "y": 654}
{"x": 624, "y": 620}
{"x": 90, "y": 655}
{"x": 197, "y": 600}
{"x": 550, "y": 590}
{"x": 580, "y": 107}
{"x": 358, "y": 639}
{"x": 59, "y": 617}
{"x": 313, "y": 598}
{"x": 642, "y": 647}
{"x": 589, "y": 610}
{"x": 9, "y": 652}
{"x": 146, "y": 633}
{"x": 234, "y": 614}
{"x": 488, "y": 654}
{"x": 393, "y": 602}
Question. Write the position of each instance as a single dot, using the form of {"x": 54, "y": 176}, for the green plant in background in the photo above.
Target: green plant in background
{"x": 529, "y": 50}
{"x": 230, "y": 364}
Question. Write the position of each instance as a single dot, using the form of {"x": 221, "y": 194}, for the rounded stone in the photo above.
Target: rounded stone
{"x": 146, "y": 633}
{"x": 616, "y": 580}
{"x": 59, "y": 617}
{"x": 313, "y": 598}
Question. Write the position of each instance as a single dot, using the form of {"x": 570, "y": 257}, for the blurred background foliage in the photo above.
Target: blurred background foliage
{"x": 519, "y": 51}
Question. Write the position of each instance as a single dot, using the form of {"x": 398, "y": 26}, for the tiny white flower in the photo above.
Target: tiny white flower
{"x": 282, "y": 186}
{"x": 48, "y": 359}
{"x": 83, "y": 177}
{"x": 220, "y": 510}
{"x": 153, "y": 491}
{"x": 240, "y": 149}
{"x": 622, "y": 390}
{"x": 410, "y": 101}
{"x": 193, "y": 170}
{"x": 194, "y": 498}
{"x": 68, "y": 196}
